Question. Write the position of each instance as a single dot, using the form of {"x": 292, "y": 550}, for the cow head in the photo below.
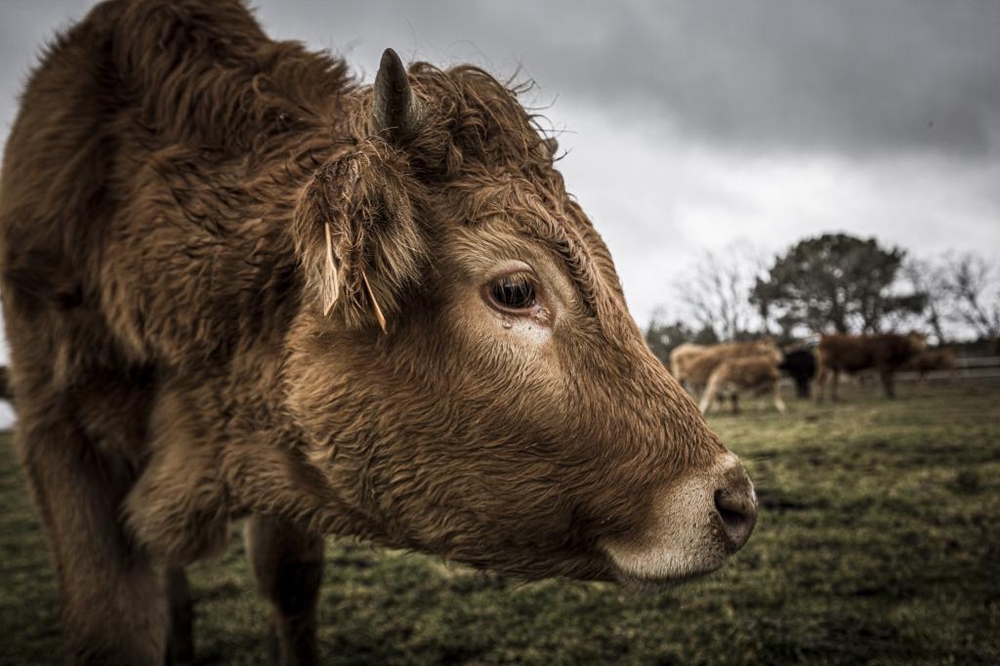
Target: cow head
{"x": 464, "y": 369}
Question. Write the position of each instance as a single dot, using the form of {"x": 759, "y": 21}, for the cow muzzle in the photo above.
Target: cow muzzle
{"x": 695, "y": 525}
{"x": 736, "y": 505}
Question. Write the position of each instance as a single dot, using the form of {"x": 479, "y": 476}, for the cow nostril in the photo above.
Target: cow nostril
{"x": 738, "y": 510}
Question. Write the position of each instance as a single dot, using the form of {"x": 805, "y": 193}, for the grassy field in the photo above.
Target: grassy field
{"x": 878, "y": 543}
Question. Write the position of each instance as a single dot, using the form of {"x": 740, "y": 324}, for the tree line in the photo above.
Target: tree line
{"x": 832, "y": 282}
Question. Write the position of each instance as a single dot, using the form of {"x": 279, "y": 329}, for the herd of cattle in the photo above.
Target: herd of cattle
{"x": 726, "y": 370}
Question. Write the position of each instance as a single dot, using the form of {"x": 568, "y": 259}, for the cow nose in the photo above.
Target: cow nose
{"x": 736, "y": 504}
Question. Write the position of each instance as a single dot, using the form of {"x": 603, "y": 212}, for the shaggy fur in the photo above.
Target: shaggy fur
{"x": 238, "y": 283}
{"x": 885, "y": 352}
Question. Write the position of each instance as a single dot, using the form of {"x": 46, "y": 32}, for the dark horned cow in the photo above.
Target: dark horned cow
{"x": 237, "y": 283}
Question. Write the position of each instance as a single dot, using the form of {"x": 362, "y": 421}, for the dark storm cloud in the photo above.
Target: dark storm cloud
{"x": 851, "y": 77}
{"x": 846, "y": 76}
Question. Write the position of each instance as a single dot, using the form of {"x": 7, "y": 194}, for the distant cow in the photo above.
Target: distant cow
{"x": 756, "y": 374}
{"x": 884, "y": 352}
{"x": 800, "y": 365}
{"x": 680, "y": 358}
{"x": 698, "y": 362}
{"x": 238, "y": 283}
{"x": 933, "y": 360}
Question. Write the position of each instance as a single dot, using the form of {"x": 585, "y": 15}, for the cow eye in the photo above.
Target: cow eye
{"x": 512, "y": 292}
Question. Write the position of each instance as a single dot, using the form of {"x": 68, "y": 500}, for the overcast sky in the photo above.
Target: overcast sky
{"x": 694, "y": 125}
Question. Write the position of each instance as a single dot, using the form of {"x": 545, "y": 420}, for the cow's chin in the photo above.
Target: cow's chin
{"x": 658, "y": 572}
{"x": 686, "y": 539}
{"x": 644, "y": 582}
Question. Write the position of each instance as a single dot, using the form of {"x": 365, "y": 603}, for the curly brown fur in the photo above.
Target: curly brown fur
{"x": 237, "y": 282}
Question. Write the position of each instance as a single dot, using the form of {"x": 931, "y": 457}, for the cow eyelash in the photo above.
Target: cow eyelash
{"x": 515, "y": 293}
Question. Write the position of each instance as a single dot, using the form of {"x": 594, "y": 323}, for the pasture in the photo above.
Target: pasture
{"x": 878, "y": 542}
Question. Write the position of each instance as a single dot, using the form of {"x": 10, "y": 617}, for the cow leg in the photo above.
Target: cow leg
{"x": 707, "y": 400}
{"x": 287, "y": 563}
{"x": 708, "y": 397}
{"x": 887, "y": 384}
{"x": 180, "y": 643}
{"x": 820, "y": 383}
{"x": 735, "y": 400}
{"x": 113, "y": 606}
{"x": 779, "y": 404}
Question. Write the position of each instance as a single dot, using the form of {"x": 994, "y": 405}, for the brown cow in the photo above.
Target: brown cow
{"x": 238, "y": 283}
{"x": 932, "y": 360}
{"x": 681, "y": 357}
{"x": 884, "y": 352}
{"x": 698, "y": 362}
{"x": 757, "y": 374}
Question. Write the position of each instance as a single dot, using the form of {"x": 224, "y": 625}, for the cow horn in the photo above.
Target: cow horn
{"x": 395, "y": 111}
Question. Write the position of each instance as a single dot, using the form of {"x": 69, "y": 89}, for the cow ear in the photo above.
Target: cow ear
{"x": 357, "y": 239}
{"x": 396, "y": 112}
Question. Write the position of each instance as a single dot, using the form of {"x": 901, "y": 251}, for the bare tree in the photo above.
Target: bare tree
{"x": 716, "y": 291}
{"x": 975, "y": 290}
{"x": 931, "y": 279}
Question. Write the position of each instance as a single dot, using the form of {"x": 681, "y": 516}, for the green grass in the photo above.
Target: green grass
{"x": 878, "y": 543}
